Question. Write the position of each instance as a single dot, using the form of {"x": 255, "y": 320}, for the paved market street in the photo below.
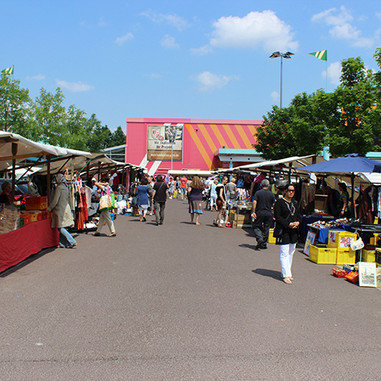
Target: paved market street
{"x": 183, "y": 302}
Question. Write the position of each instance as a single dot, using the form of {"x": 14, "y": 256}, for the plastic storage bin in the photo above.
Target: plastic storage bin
{"x": 340, "y": 238}
{"x": 368, "y": 255}
{"x": 271, "y": 239}
{"x": 345, "y": 255}
{"x": 322, "y": 255}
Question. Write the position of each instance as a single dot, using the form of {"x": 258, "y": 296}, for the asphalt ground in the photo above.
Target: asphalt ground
{"x": 183, "y": 302}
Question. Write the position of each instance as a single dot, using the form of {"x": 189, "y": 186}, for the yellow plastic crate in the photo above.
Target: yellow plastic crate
{"x": 340, "y": 239}
{"x": 345, "y": 255}
{"x": 374, "y": 239}
{"x": 323, "y": 255}
{"x": 368, "y": 255}
{"x": 271, "y": 239}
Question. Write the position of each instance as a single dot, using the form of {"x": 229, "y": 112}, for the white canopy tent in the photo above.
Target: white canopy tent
{"x": 297, "y": 162}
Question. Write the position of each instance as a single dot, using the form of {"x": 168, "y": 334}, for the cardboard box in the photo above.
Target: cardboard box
{"x": 36, "y": 203}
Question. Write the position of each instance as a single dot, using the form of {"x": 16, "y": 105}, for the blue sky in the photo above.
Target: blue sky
{"x": 182, "y": 58}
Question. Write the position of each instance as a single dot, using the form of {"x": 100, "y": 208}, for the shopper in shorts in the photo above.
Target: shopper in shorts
{"x": 183, "y": 187}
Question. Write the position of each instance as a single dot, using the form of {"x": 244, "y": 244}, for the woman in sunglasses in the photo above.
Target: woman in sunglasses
{"x": 287, "y": 220}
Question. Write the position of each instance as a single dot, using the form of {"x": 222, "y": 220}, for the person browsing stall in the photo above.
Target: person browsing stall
{"x": 62, "y": 216}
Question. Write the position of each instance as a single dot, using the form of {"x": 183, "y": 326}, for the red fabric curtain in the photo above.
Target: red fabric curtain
{"x": 19, "y": 244}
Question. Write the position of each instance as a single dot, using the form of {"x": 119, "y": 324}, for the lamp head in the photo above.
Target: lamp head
{"x": 275, "y": 55}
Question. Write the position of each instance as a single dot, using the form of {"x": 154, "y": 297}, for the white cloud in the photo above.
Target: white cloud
{"x": 275, "y": 97}
{"x": 122, "y": 39}
{"x": 256, "y": 29}
{"x": 208, "y": 81}
{"x": 75, "y": 87}
{"x": 202, "y": 51}
{"x": 341, "y": 26}
{"x": 38, "y": 77}
{"x": 334, "y": 73}
{"x": 173, "y": 20}
{"x": 169, "y": 42}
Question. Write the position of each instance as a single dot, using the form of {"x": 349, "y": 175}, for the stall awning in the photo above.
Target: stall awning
{"x": 298, "y": 161}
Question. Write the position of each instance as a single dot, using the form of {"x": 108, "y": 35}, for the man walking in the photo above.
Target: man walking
{"x": 160, "y": 194}
{"x": 262, "y": 213}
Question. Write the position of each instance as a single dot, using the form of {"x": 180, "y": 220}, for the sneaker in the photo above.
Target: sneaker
{"x": 144, "y": 219}
{"x": 263, "y": 246}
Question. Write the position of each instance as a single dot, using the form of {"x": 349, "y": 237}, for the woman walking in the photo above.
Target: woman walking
{"x": 213, "y": 194}
{"x": 195, "y": 190}
{"x": 62, "y": 216}
{"x": 105, "y": 216}
{"x": 286, "y": 230}
{"x": 142, "y": 193}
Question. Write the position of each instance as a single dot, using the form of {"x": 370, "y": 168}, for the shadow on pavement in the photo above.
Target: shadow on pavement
{"x": 269, "y": 273}
{"x": 28, "y": 260}
{"x": 253, "y": 247}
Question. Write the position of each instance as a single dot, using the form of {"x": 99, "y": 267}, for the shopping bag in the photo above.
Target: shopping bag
{"x": 357, "y": 245}
{"x": 107, "y": 201}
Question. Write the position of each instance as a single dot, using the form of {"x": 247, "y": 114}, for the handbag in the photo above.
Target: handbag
{"x": 357, "y": 245}
{"x": 107, "y": 201}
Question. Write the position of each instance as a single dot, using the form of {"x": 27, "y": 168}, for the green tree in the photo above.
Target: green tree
{"x": 15, "y": 106}
{"x": 51, "y": 118}
{"x": 118, "y": 138}
{"x": 351, "y": 126}
{"x": 295, "y": 130}
{"x": 376, "y": 114}
{"x": 100, "y": 136}
{"x": 78, "y": 128}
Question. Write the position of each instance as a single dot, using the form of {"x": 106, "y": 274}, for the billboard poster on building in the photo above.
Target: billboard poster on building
{"x": 165, "y": 142}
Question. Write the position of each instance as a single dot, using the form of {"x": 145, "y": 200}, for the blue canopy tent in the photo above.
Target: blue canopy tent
{"x": 347, "y": 165}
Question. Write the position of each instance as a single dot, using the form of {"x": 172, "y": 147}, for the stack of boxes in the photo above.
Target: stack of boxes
{"x": 35, "y": 211}
{"x": 338, "y": 250}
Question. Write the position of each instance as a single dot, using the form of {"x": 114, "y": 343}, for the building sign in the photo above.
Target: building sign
{"x": 165, "y": 142}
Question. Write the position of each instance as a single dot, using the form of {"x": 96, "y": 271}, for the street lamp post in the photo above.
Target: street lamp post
{"x": 286, "y": 55}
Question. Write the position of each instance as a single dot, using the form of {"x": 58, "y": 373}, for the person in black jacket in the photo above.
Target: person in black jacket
{"x": 287, "y": 221}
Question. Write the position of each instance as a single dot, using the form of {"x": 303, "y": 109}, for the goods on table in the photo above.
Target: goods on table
{"x": 330, "y": 224}
{"x": 36, "y": 203}
{"x": 9, "y": 217}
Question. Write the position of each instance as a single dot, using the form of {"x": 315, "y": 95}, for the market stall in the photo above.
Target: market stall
{"x": 25, "y": 228}
{"x": 345, "y": 241}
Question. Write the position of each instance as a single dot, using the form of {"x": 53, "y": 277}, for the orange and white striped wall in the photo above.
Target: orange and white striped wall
{"x": 203, "y": 140}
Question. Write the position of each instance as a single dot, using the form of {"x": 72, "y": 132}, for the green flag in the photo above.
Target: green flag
{"x": 9, "y": 70}
{"x": 322, "y": 55}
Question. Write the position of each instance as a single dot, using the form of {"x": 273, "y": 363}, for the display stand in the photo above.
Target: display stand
{"x": 19, "y": 244}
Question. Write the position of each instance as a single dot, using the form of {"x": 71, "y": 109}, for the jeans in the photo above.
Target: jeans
{"x": 65, "y": 237}
{"x": 286, "y": 255}
{"x": 159, "y": 211}
{"x": 262, "y": 227}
